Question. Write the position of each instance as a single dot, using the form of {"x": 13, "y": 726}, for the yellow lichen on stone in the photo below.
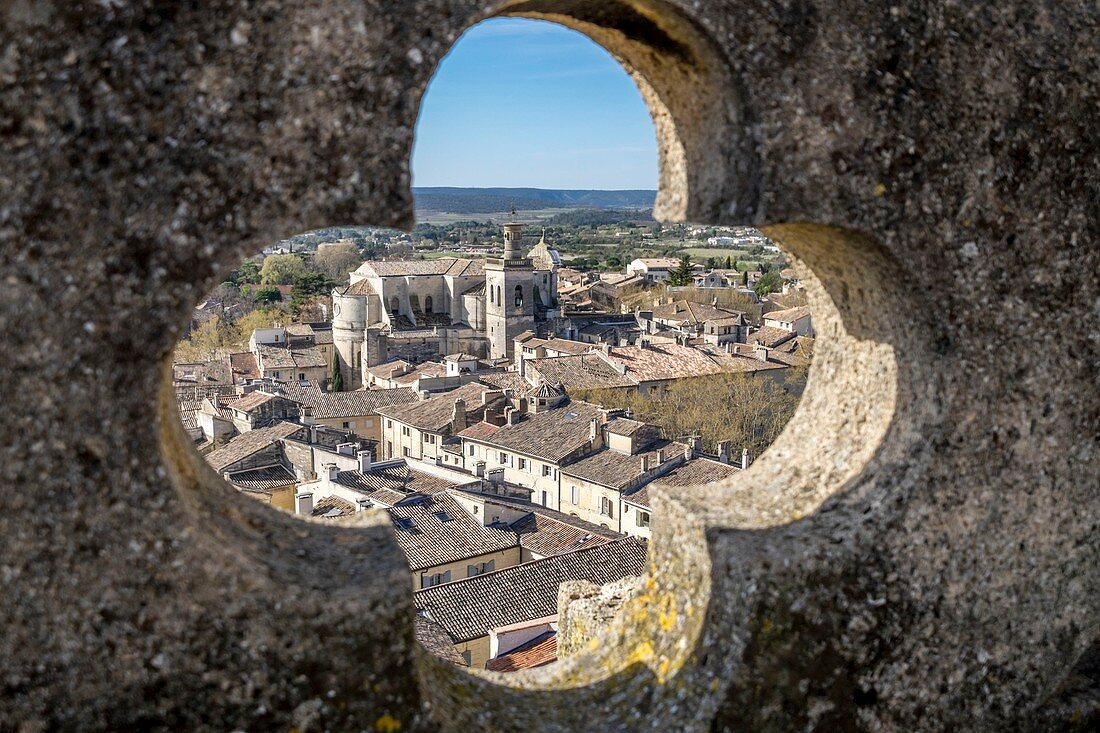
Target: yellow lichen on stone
{"x": 387, "y": 724}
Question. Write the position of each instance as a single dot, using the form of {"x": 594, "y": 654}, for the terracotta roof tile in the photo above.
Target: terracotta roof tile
{"x": 436, "y": 530}
{"x": 251, "y": 442}
{"x": 468, "y": 609}
{"x": 538, "y": 652}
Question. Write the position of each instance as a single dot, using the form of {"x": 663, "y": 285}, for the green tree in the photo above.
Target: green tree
{"x": 729, "y": 262}
{"x": 266, "y": 294}
{"x": 745, "y": 278}
{"x": 336, "y": 384}
{"x": 247, "y": 273}
{"x": 282, "y": 269}
{"x": 682, "y": 274}
{"x": 311, "y": 285}
{"x": 769, "y": 282}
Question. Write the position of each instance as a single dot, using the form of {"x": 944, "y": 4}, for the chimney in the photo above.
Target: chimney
{"x": 307, "y": 415}
{"x": 695, "y": 444}
{"x": 744, "y": 458}
{"x": 645, "y": 463}
{"x": 595, "y": 434}
{"x": 521, "y": 366}
{"x": 364, "y": 460}
{"x": 724, "y": 451}
{"x": 489, "y": 395}
{"x": 606, "y": 348}
{"x": 660, "y": 456}
{"x": 761, "y": 352}
{"x": 331, "y": 472}
{"x": 510, "y": 415}
{"x": 346, "y": 449}
{"x": 714, "y": 302}
{"x": 424, "y": 394}
{"x": 458, "y": 417}
{"x": 303, "y": 504}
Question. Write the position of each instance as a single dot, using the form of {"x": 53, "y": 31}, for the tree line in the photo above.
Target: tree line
{"x": 748, "y": 411}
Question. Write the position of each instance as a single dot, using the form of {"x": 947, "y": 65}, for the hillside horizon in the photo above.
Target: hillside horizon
{"x": 478, "y": 200}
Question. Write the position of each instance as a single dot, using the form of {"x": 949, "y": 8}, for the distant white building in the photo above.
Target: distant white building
{"x": 653, "y": 270}
{"x": 796, "y": 320}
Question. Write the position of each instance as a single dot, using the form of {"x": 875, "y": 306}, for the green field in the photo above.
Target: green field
{"x": 445, "y": 217}
{"x": 702, "y": 253}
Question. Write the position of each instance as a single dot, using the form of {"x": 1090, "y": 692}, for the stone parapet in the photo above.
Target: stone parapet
{"x": 919, "y": 549}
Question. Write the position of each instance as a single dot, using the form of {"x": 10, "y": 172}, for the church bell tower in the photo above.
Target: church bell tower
{"x": 509, "y": 299}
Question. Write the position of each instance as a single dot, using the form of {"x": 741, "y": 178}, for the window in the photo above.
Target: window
{"x": 437, "y": 579}
{"x": 492, "y": 300}
{"x": 574, "y": 495}
{"x": 405, "y": 451}
{"x": 545, "y": 498}
{"x": 389, "y": 423}
{"x": 643, "y": 518}
{"x": 389, "y": 449}
{"x": 429, "y": 438}
{"x": 346, "y": 424}
{"x": 472, "y": 450}
{"x": 546, "y": 470}
{"x": 480, "y": 568}
{"x": 428, "y": 304}
{"x": 605, "y": 507}
{"x": 504, "y": 459}
{"x": 405, "y": 430}
{"x": 500, "y": 297}
{"x": 519, "y": 296}
{"x": 523, "y": 464}
{"x": 301, "y": 375}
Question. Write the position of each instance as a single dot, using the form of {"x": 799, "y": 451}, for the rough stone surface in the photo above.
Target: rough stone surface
{"x": 587, "y": 610}
{"x": 919, "y": 551}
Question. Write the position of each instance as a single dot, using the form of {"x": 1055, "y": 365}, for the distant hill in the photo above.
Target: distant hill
{"x": 491, "y": 200}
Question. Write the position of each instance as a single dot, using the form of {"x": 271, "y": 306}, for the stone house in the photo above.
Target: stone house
{"x": 418, "y": 430}
{"x": 593, "y": 487}
{"x": 480, "y": 613}
{"x": 796, "y": 320}
{"x": 534, "y": 442}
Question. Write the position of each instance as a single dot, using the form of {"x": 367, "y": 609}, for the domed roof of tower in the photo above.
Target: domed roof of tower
{"x": 543, "y": 256}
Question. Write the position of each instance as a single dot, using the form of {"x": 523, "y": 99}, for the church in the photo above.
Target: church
{"x": 421, "y": 309}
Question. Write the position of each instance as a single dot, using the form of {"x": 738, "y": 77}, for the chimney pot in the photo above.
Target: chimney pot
{"x": 744, "y": 458}
{"x": 645, "y": 463}
{"x": 303, "y": 504}
{"x": 364, "y": 460}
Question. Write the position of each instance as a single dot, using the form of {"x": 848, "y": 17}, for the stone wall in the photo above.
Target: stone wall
{"x": 917, "y": 551}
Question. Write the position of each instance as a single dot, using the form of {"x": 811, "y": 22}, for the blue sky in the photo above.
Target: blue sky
{"x": 531, "y": 103}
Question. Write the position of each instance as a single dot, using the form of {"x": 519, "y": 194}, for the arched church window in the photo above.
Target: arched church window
{"x": 428, "y": 304}
{"x": 492, "y": 300}
{"x": 500, "y": 296}
{"x": 519, "y": 296}
{"x": 395, "y": 304}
